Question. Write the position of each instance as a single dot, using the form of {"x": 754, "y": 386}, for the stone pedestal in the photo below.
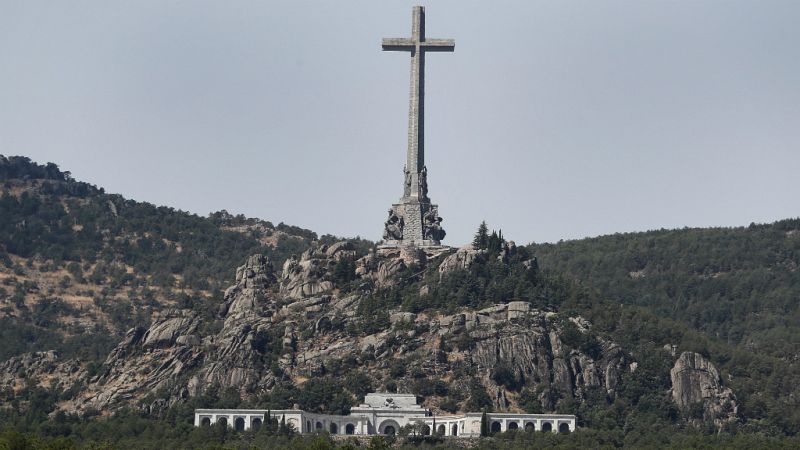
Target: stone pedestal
{"x": 413, "y": 223}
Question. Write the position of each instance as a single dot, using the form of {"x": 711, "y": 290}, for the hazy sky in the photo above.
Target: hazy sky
{"x": 552, "y": 120}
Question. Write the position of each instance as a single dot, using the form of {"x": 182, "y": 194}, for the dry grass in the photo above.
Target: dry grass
{"x": 78, "y": 295}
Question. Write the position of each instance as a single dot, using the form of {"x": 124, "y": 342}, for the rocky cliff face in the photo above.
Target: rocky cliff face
{"x": 527, "y": 343}
{"x": 173, "y": 357}
{"x": 696, "y": 383}
{"x": 278, "y": 328}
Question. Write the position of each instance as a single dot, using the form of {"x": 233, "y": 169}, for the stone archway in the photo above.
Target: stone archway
{"x": 426, "y": 430}
{"x": 389, "y": 427}
{"x": 547, "y": 426}
{"x": 333, "y": 428}
{"x": 440, "y": 430}
{"x": 255, "y": 424}
{"x": 238, "y": 424}
{"x": 223, "y": 421}
{"x": 308, "y": 426}
{"x": 530, "y": 426}
{"x": 349, "y": 429}
{"x": 205, "y": 421}
{"x": 454, "y": 430}
{"x": 513, "y": 426}
{"x": 318, "y": 426}
{"x": 563, "y": 428}
{"x": 496, "y": 427}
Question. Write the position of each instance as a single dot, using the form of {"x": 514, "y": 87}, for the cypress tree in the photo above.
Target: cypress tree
{"x": 481, "y": 240}
{"x": 282, "y": 430}
{"x": 484, "y": 424}
{"x": 493, "y": 244}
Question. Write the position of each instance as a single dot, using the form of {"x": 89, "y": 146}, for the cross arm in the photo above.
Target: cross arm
{"x": 438, "y": 45}
{"x": 398, "y": 44}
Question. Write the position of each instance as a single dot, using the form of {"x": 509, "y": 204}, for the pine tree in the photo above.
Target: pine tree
{"x": 481, "y": 240}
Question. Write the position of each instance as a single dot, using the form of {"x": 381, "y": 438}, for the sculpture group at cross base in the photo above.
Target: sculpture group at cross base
{"x": 431, "y": 226}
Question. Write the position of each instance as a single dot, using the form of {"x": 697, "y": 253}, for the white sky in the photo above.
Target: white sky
{"x": 552, "y": 120}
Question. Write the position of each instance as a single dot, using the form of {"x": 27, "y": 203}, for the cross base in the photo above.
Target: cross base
{"x": 413, "y": 223}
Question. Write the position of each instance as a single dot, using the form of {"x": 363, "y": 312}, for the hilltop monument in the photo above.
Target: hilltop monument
{"x": 414, "y": 221}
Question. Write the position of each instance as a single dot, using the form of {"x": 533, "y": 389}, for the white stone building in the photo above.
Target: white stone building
{"x": 383, "y": 413}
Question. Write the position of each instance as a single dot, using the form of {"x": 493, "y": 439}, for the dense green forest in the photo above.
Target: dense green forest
{"x": 740, "y": 285}
{"x": 731, "y": 294}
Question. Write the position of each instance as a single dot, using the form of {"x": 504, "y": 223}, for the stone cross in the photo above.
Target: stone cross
{"x": 417, "y": 45}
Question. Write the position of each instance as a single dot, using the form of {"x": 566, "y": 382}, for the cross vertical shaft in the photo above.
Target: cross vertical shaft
{"x": 417, "y": 45}
{"x": 415, "y": 158}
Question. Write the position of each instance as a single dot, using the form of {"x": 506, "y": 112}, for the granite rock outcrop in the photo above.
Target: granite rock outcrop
{"x": 697, "y": 382}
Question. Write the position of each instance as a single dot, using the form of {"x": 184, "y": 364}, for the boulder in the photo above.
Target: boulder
{"x": 306, "y": 277}
{"x": 460, "y": 260}
{"x": 341, "y": 250}
{"x": 518, "y": 309}
{"x": 382, "y": 268}
{"x": 402, "y": 317}
{"x": 165, "y": 332}
{"x": 256, "y": 273}
{"x": 252, "y": 279}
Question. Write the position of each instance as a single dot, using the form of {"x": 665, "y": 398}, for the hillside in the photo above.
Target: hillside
{"x": 732, "y": 294}
{"x": 80, "y": 266}
{"x": 137, "y": 313}
{"x": 740, "y": 285}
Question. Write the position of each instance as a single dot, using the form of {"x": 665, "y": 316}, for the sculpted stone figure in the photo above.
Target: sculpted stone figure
{"x": 433, "y": 226}
{"x": 393, "y": 228}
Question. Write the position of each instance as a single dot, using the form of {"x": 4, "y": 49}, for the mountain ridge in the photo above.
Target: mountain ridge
{"x": 165, "y": 284}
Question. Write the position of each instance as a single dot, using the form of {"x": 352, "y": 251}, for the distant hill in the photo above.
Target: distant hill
{"x": 738, "y": 285}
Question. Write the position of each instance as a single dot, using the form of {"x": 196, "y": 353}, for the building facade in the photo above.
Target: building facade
{"x": 384, "y": 413}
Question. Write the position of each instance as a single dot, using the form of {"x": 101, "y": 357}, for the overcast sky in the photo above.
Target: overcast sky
{"x": 552, "y": 120}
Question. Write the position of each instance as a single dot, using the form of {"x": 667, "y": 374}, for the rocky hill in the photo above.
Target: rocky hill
{"x": 267, "y": 338}
{"x": 77, "y": 262}
{"x": 114, "y": 307}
